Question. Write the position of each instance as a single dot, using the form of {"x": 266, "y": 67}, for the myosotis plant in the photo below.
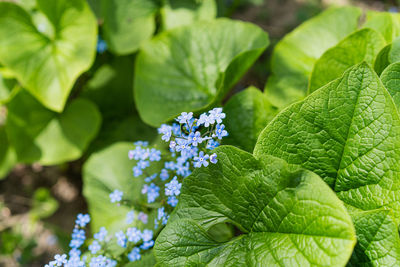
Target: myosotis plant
{"x": 190, "y": 143}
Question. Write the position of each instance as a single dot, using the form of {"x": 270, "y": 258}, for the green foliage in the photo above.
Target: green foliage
{"x": 363, "y": 45}
{"x": 388, "y": 24}
{"x": 127, "y": 23}
{"x": 41, "y": 135}
{"x": 7, "y": 154}
{"x": 388, "y": 55}
{"x": 247, "y": 114}
{"x": 391, "y": 79}
{"x": 348, "y": 133}
{"x": 192, "y": 67}
{"x": 44, "y": 205}
{"x": 294, "y": 56}
{"x": 48, "y": 63}
{"x": 288, "y": 216}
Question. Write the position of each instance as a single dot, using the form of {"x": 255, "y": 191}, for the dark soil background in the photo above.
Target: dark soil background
{"x": 27, "y": 242}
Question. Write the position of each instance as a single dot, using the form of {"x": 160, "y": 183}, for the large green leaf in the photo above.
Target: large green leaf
{"x": 48, "y": 64}
{"x": 348, "y": 132}
{"x": 7, "y": 154}
{"x": 103, "y": 172}
{"x": 247, "y": 114}
{"x": 294, "y": 56}
{"x": 287, "y": 217}
{"x": 363, "y": 45}
{"x": 41, "y": 135}
{"x": 182, "y": 12}
{"x": 386, "y": 23}
{"x": 8, "y": 87}
{"x": 192, "y": 67}
{"x": 378, "y": 239}
{"x": 127, "y": 23}
{"x": 391, "y": 79}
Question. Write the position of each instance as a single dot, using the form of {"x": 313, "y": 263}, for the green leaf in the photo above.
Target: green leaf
{"x": 247, "y": 114}
{"x": 127, "y": 23}
{"x": 294, "y": 56}
{"x": 191, "y": 67}
{"x": 146, "y": 260}
{"x": 348, "y": 133}
{"x": 388, "y": 55}
{"x": 8, "y": 88}
{"x": 48, "y": 64}
{"x": 41, "y": 135}
{"x": 287, "y": 216}
{"x": 391, "y": 80}
{"x": 103, "y": 172}
{"x": 7, "y": 154}
{"x": 386, "y": 23}
{"x": 378, "y": 239}
{"x": 182, "y": 12}
{"x": 363, "y": 45}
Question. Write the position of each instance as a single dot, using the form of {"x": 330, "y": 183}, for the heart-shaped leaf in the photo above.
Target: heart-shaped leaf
{"x": 192, "y": 67}
{"x": 294, "y": 56}
{"x": 247, "y": 114}
{"x": 348, "y": 132}
{"x": 363, "y": 45}
{"x": 176, "y": 13}
{"x": 41, "y": 135}
{"x": 48, "y": 63}
{"x": 127, "y": 23}
{"x": 287, "y": 216}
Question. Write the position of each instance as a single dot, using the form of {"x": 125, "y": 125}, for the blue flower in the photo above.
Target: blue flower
{"x": 195, "y": 138}
{"x": 130, "y": 217}
{"x": 134, "y": 235}
{"x": 164, "y": 175}
{"x": 217, "y": 114}
{"x": 213, "y": 158}
{"x": 220, "y": 132}
{"x": 78, "y": 234}
{"x": 150, "y": 178}
{"x": 147, "y": 244}
{"x": 147, "y": 235}
{"x": 185, "y": 117}
{"x": 101, "y": 235}
{"x": 98, "y": 261}
{"x": 141, "y": 143}
{"x": 134, "y": 255}
{"x": 82, "y": 219}
{"x": 176, "y": 129}
{"x": 152, "y": 192}
{"x": 169, "y": 165}
{"x": 181, "y": 145}
{"x": 201, "y": 160}
{"x": 173, "y": 188}
{"x": 137, "y": 171}
{"x": 94, "y": 247}
{"x": 172, "y": 201}
{"x": 116, "y": 196}
{"x": 101, "y": 45}
{"x": 182, "y": 169}
{"x": 143, "y": 164}
{"x": 205, "y": 120}
{"x": 143, "y": 217}
{"x": 162, "y": 216}
{"x": 166, "y": 130}
{"x": 60, "y": 259}
{"x": 155, "y": 155}
{"x": 212, "y": 144}
{"x": 136, "y": 154}
{"x": 121, "y": 238}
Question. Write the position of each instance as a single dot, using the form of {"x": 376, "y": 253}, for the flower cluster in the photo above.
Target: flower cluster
{"x": 190, "y": 141}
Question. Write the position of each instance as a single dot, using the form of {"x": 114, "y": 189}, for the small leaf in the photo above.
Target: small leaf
{"x": 48, "y": 65}
{"x": 7, "y": 154}
{"x": 386, "y": 23}
{"x": 8, "y": 88}
{"x": 391, "y": 80}
{"x": 127, "y": 23}
{"x": 288, "y": 216}
{"x": 44, "y": 205}
{"x": 388, "y": 55}
{"x": 294, "y": 56}
{"x": 247, "y": 114}
{"x": 40, "y": 135}
{"x": 363, "y": 45}
{"x": 191, "y": 67}
{"x": 182, "y": 12}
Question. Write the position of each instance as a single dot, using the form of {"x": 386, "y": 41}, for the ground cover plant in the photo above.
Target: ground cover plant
{"x": 178, "y": 169}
